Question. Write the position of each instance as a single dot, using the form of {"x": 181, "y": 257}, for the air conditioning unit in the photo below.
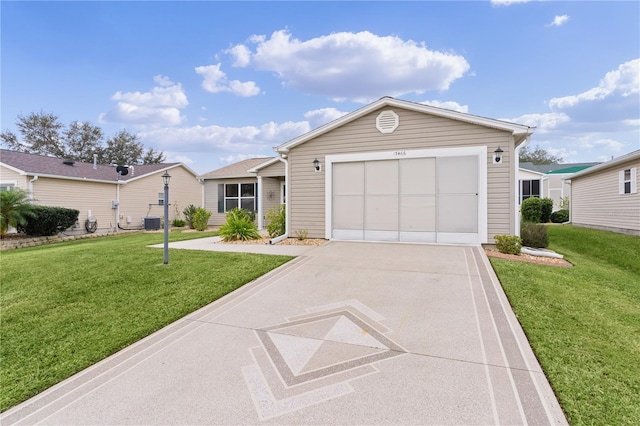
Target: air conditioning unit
{"x": 151, "y": 223}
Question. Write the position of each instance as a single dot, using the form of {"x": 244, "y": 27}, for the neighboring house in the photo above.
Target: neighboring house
{"x": 392, "y": 170}
{"x": 606, "y": 196}
{"x": 547, "y": 180}
{"x": 98, "y": 191}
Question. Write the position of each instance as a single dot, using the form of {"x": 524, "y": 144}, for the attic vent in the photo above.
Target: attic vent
{"x": 68, "y": 162}
{"x": 387, "y": 121}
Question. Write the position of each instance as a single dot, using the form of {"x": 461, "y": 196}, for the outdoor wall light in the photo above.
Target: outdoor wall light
{"x": 497, "y": 158}
{"x": 316, "y": 165}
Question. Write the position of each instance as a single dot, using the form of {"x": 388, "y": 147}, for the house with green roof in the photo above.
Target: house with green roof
{"x": 547, "y": 180}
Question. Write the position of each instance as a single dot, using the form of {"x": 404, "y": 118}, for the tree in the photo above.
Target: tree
{"x": 42, "y": 133}
{"x": 537, "y": 156}
{"x": 15, "y": 208}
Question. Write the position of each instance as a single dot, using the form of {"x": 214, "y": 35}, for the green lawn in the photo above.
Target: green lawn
{"x": 584, "y": 322}
{"x": 68, "y": 305}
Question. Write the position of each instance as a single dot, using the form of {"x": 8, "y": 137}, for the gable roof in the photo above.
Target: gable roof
{"x": 237, "y": 170}
{"x": 556, "y": 168}
{"x": 520, "y": 131}
{"x": 633, "y": 155}
{"x": 41, "y": 165}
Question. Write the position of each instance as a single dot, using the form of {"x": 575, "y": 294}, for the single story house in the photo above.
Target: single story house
{"x": 547, "y": 180}
{"x": 391, "y": 171}
{"x": 606, "y": 196}
{"x": 116, "y": 197}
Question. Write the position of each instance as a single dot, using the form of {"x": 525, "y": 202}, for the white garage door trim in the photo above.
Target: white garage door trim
{"x": 479, "y": 151}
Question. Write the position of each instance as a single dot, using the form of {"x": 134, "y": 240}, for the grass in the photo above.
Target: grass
{"x": 69, "y": 305}
{"x": 584, "y": 322}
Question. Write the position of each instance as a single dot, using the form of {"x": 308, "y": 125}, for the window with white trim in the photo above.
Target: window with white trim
{"x": 529, "y": 188}
{"x": 628, "y": 181}
{"x": 6, "y": 186}
{"x": 241, "y": 195}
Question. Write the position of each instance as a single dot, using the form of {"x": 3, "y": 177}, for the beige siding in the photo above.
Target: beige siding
{"x": 416, "y": 131}
{"x": 556, "y": 189}
{"x": 9, "y": 176}
{"x": 211, "y": 197}
{"x": 139, "y": 198}
{"x": 274, "y": 170}
{"x": 270, "y": 195}
{"x": 596, "y": 202}
{"x": 82, "y": 196}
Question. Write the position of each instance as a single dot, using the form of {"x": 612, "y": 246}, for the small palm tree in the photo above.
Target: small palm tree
{"x": 15, "y": 208}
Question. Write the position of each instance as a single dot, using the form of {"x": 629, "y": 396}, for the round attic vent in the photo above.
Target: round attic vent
{"x": 387, "y": 121}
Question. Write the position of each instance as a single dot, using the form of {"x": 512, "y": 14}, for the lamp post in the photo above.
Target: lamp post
{"x": 166, "y": 177}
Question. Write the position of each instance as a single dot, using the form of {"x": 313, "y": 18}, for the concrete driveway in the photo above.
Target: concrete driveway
{"x": 348, "y": 333}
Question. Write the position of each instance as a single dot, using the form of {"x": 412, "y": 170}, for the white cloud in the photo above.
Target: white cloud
{"x": 448, "y": 105}
{"x": 558, "y": 21}
{"x": 230, "y": 159}
{"x": 241, "y": 55}
{"x": 607, "y": 144}
{"x": 233, "y": 140}
{"x": 624, "y": 82}
{"x": 177, "y": 158}
{"x": 160, "y": 106}
{"x": 507, "y": 2}
{"x": 318, "y": 117}
{"x": 358, "y": 66}
{"x": 543, "y": 122}
{"x": 216, "y": 81}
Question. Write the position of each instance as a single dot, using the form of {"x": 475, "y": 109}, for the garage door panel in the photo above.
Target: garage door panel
{"x": 347, "y": 211}
{"x": 418, "y": 176}
{"x": 381, "y": 177}
{"x": 348, "y": 178}
{"x": 417, "y": 213}
{"x": 458, "y": 213}
{"x": 457, "y": 175}
{"x": 381, "y": 213}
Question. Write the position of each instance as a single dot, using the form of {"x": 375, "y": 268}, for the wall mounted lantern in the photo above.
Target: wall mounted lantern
{"x": 316, "y": 165}
{"x": 497, "y": 157}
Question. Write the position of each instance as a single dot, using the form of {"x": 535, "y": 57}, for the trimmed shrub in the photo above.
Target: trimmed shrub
{"x": 546, "y": 207}
{"x": 49, "y": 221}
{"x": 188, "y": 212}
{"x": 560, "y": 216}
{"x": 239, "y": 226}
{"x": 534, "y": 235}
{"x": 531, "y": 210}
{"x": 277, "y": 218}
{"x": 509, "y": 244}
{"x": 178, "y": 223}
{"x": 200, "y": 219}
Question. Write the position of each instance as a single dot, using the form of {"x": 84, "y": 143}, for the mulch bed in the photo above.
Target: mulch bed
{"x": 550, "y": 261}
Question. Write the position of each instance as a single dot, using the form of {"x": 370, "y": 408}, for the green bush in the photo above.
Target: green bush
{"x": 534, "y": 235}
{"x": 15, "y": 209}
{"x": 560, "y": 216}
{"x": 188, "y": 212}
{"x": 178, "y": 223}
{"x": 531, "y": 210}
{"x": 509, "y": 244}
{"x": 277, "y": 218}
{"x": 239, "y": 226}
{"x": 49, "y": 221}
{"x": 546, "y": 207}
{"x": 200, "y": 219}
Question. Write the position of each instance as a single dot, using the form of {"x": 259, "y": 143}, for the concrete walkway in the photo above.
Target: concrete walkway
{"x": 348, "y": 333}
{"x": 215, "y": 244}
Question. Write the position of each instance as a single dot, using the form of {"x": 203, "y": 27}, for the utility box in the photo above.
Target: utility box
{"x": 151, "y": 223}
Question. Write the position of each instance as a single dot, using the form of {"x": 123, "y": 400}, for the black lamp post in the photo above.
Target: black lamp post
{"x": 166, "y": 177}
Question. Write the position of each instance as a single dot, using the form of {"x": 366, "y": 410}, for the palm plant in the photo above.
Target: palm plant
{"x": 15, "y": 208}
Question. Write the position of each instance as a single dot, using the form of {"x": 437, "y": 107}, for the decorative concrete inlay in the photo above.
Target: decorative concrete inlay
{"x": 311, "y": 358}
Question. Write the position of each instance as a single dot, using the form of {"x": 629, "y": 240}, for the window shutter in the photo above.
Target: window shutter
{"x": 634, "y": 180}
{"x": 621, "y": 182}
{"x": 255, "y": 202}
{"x": 221, "y": 198}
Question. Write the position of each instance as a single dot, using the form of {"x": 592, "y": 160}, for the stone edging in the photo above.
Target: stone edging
{"x": 12, "y": 244}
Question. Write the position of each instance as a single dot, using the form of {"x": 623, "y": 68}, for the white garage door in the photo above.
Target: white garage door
{"x": 428, "y": 199}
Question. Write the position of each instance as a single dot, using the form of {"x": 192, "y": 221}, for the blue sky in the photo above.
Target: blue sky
{"x": 211, "y": 83}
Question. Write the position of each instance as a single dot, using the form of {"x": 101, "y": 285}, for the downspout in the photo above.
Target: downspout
{"x": 260, "y": 206}
{"x": 35, "y": 178}
{"x": 287, "y": 209}
{"x": 117, "y": 205}
{"x": 516, "y": 162}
